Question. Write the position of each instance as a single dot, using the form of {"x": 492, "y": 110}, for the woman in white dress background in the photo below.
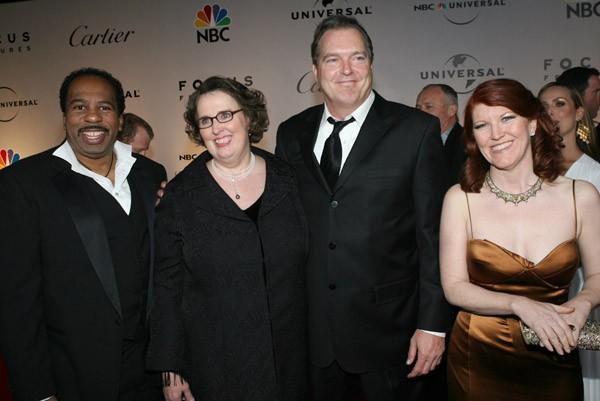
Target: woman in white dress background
{"x": 581, "y": 155}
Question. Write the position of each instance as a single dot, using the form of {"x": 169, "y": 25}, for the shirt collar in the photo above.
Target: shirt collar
{"x": 360, "y": 114}
{"x": 122, "y": 151}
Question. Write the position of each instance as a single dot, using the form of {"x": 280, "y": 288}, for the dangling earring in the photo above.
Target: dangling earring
{"x": 583, "y": 132}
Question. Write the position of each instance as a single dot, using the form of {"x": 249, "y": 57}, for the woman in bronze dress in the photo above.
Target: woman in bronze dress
{"x": 513, "y": 233}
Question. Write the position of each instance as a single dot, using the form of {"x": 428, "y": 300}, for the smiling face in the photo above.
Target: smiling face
{"x": 228, "y": 142}
{"x": 502, "y": 136}
{"x": 343, "y": 71}
{"x": 91, "y": 120}
{"x": 559, "y": 105}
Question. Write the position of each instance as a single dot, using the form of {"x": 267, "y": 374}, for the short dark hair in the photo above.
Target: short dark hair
{"x": 545, "y": 144}
{"x": 130, "y": 123}
{"x": 252, "y": 101}
{"x": 577, "y": 78}
{"x": 95, "y": 72}
{"x": 447, "y": 90}
{"x": 338, "y": 22}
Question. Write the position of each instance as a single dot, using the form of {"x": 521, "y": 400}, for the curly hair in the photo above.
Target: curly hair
{"x": 252, "y": 101}
{"x": 545, "y": 144}
{"x": 591, "y": 148}
{"x": 93, "y": 72}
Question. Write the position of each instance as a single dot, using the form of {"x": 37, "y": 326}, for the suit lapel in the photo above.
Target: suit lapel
{"x": 148, "y": 196}
{"x": 90, "y": 228}
{"x": 374, "y": 127}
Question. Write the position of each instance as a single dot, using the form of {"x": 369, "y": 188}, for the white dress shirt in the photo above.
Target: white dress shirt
{"x": 348, "y": 134}
{"x": 124, "y": 162}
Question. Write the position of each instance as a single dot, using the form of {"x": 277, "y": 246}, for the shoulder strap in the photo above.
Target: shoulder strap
{"x": 469, "y": 210}
{"x": 575, "y": 208}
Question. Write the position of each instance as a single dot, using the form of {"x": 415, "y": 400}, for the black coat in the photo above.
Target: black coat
{"x": 60, "y": 312}
{"x": 454, "y": 150}
{"x": 373, "y": 272}
{"x": 230, "y": 311}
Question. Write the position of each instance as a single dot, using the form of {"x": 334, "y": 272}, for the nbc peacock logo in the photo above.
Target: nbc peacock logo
{"x": 8, "y": 157}
{"x": 212, "y": 23}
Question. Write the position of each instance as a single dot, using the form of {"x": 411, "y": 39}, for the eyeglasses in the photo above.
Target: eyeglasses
{"x": 222, "y": 117}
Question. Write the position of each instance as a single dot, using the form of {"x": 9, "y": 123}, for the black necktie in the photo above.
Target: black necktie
{"x": 331, "y": 159}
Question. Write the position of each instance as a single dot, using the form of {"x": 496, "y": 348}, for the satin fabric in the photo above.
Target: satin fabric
{"x": 487, "y": 358}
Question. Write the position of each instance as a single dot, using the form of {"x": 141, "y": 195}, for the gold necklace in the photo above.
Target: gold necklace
{"x": 112, "y": 159}
{"x": 513, "y": 198}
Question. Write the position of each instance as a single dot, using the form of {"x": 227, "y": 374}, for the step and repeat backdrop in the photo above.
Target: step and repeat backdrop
{"x": 161, "y": 50}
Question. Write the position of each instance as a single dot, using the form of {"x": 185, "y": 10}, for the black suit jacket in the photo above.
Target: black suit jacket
{"x": 373, "y": 272}
{"x": 60, "y": 311}
{"x": 454, "y": 150}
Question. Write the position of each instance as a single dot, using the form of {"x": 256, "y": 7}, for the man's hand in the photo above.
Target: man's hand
{"x": 427, "y": 349}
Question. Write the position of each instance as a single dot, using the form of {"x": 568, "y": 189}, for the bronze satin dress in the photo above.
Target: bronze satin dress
{"x": 487, "y": 358}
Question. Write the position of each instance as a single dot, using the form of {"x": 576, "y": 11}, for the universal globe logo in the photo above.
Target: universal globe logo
{"x": 11, "y": 103}
{"x": 459, "y": 12}
{"x": 462, "y": 72}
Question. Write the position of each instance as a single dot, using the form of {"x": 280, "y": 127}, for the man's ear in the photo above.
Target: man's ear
{"x": 452, "y": 110}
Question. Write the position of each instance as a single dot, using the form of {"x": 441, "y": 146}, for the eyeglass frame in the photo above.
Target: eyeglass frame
{"x": 216, "y": 117}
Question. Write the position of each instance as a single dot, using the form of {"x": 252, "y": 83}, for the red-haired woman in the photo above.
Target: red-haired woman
{"x": 513, "y": 233}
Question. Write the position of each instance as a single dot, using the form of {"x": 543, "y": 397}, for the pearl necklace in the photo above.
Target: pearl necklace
{"x": 513, "y": 198}
{"x": 235, "y": 176}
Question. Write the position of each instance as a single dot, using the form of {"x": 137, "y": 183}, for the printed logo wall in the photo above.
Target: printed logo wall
{"x": 11, "y": 104}
{"x": 265, "y": 44}
{"x": 212, "y": 23}
{"x": 8, "y": 157}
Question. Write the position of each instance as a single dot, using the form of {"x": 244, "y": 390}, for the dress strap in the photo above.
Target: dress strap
{"x": 575, "y": 208}
{"x": 469, "y": 210}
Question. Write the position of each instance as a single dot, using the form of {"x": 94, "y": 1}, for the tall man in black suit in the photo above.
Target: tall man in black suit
{"x": 77, "y": 252}
{"x": 441, "y": 100}
{"x": 371, "y": 176}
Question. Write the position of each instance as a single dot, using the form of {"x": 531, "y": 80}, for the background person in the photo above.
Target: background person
{"x": 565, "y": 107}
{"x": 502, "y": 262}
{"x": 586, "y": 81}
{"x": 441, "y": 100}
{"x": 136, "y": 132}
{"x": 229, "y": 320}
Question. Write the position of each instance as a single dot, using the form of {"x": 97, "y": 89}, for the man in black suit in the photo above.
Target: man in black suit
{"x": 76, "y": 260}
{"x": 371, "y": 176}
{"x": 441, "y": 100}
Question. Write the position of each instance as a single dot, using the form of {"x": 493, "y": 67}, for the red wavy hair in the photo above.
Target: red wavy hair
{"x": 545, "y": 144}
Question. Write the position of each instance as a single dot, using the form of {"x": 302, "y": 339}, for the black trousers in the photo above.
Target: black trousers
{"x": 136, "y": 384}
{"x": 332, "y": 383}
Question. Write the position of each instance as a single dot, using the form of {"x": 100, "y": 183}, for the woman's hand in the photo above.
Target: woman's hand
{"x": 577, "y": 318}
{"x": 175, "y": 388}
{"x": 549, "y": 323}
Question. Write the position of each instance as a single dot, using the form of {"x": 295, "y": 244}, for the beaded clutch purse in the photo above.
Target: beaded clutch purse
{"x": 589, "y": 337}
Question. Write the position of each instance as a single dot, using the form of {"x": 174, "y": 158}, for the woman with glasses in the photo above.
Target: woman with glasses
{"x": 229, "y": 316}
